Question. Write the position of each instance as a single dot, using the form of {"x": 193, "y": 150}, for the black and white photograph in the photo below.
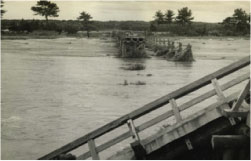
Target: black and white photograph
{"x": 125, "y": 80}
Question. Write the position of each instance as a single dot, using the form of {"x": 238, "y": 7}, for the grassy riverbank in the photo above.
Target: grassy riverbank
{"x": 51, "y": 35}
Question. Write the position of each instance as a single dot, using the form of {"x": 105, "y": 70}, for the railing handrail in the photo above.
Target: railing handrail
{"x": 166, "y": 115}
{"x": 150, "y": 107}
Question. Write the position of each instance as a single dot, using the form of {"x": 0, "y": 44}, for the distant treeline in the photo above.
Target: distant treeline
{"x": 194, "y": 29}
{"x": 181, "y": 24}
{"x": 71, "y": 26}
{"x": 173, "y": 29}
{"x": 236, "y": 25}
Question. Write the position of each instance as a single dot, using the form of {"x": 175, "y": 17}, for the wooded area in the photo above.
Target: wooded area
{"x": 167, "y": 24}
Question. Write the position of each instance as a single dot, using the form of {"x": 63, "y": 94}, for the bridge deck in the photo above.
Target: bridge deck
{"x": 178, "y": 130}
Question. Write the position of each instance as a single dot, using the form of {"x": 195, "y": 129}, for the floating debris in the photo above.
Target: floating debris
{"x": 139, "y": 83}
{"x": 133, "y": 83}
{"x": 134, "y": 67}
{"x": 125, "y": 83}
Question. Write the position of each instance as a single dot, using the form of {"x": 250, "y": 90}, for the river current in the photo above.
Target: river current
{"x": 50, "y": 100}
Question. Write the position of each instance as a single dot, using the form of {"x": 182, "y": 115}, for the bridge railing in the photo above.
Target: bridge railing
{"x": 169, "y": 98}
{"x": 158, "y": 41}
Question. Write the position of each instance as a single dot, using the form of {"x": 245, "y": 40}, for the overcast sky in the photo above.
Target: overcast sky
{"x": 206, "y": 11}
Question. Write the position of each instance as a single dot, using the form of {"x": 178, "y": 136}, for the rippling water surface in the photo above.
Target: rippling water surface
{"x": 54, "y": 91}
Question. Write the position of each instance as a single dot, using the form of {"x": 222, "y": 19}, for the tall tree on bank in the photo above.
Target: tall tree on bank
{"x": 159, "y": 17}
{"x": 238, "y": 23}
{"x": 184, "y": 16}
{"x": 240, "y": 15}
{"x": 169, "y": 16}
{"x": 85, "y": 18}
{"x": 46, "y": 9}
{"x": 242, "y": 19}
{"x": 2, "y": 11}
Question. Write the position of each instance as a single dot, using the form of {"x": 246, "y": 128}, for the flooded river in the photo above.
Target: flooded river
{"x": 54, "y": 91}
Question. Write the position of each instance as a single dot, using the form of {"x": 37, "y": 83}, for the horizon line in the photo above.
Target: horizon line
{"x": 98, "y": 20}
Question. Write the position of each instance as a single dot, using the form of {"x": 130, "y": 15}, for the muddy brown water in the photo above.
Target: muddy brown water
{"x": 54, "y": 91}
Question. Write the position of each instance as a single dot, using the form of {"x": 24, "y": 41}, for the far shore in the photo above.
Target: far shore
{"x": 24, "y": 37}
{"x": 100, "y": 34}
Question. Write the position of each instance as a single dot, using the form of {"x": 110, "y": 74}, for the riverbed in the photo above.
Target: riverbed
{"x": 56, "y": 90}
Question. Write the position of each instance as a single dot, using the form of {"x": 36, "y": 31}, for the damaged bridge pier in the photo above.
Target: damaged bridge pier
{"x": 218, "y": 130}
{"x": 132, "y": 47}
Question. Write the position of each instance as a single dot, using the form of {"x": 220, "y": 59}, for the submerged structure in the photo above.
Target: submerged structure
{"x": 167, "y": 49}
{"x": 212, "y": 129}
{"x": 185, "y": 55}
{"x": 178, "y": 53}
{"x": 132, "y": 47}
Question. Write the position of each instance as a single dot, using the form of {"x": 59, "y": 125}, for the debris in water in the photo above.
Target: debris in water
{"x": 125, "y": 83}
{"x": 133, "y": 83}
{"x": 135, "y": 67}
{"x": 139, "y": 83}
